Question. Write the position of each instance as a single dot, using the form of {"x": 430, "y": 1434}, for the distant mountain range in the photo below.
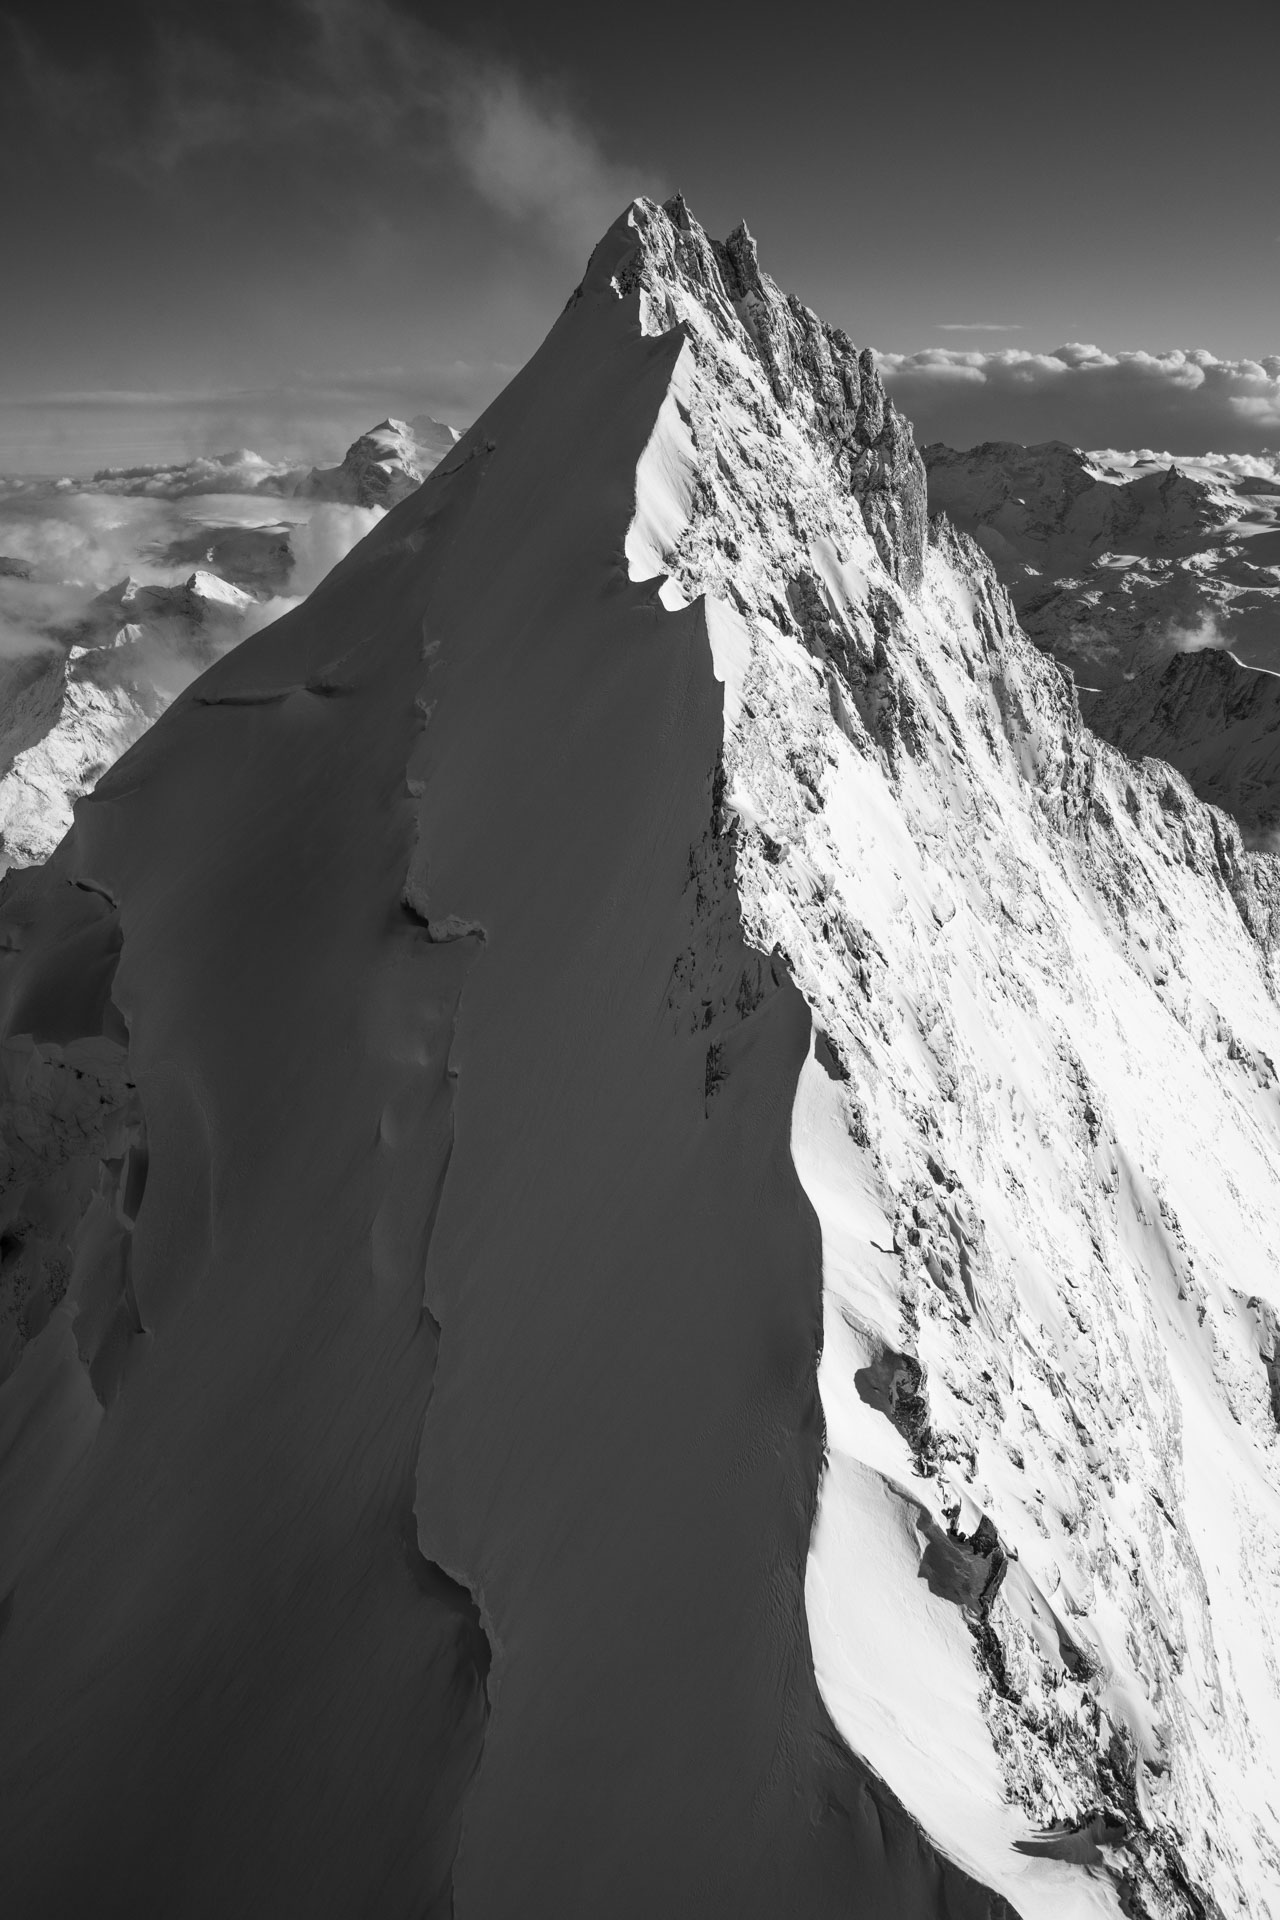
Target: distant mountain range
{"x": 1156, "y": 584}
{"x": 376, "y": 470}
{"x": 90, "y": 683}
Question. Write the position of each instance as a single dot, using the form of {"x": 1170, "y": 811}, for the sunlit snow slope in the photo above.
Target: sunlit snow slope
{"x": 1039, "y": 1126}
{"x": 410, "y": 1437}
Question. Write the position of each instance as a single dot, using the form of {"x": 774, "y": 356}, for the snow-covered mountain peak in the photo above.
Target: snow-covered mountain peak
{"x": 377, "y": 470}
{"x": 821, "y": 386}
{"x": 648, "y": 944}
{"x": 383, "y": 465}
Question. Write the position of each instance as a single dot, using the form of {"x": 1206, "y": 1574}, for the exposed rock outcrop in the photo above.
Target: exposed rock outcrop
{"x": 817, "y": 377}
{"x": 1020, "y": 949}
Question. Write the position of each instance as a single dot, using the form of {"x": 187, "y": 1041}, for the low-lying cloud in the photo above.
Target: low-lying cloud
{"x": 1229, "y": 469}
{"x": 319, "y": 542}
{"x": 79, "y": 539}
{"x": 72, "y": 544}
{"x": 1202, "y": 635}
{"x": 27, "y": 611}
{"x": 1190, "y": 401}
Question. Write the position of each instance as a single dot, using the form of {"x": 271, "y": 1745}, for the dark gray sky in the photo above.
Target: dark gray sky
{"x": 273, "y": 223}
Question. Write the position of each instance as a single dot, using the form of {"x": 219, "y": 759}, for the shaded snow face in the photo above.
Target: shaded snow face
{"x": 1040, "y": 1128}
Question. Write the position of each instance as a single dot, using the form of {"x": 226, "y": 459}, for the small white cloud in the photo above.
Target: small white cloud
{"x": 1198, "y": 636}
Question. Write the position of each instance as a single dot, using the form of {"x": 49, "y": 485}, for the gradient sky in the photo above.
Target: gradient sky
{"x": 270, "y": 224}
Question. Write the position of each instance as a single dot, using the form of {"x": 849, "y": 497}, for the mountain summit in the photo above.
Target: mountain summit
{"x": 640, "y": 1232}
{"x": 382, "y": 466}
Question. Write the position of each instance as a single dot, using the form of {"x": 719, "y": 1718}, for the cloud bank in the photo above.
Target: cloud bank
{"x": 1190, "y": 401}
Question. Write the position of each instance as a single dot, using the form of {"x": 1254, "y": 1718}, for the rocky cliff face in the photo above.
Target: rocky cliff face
{"x": 645, "y": 1204}
{"x": 1010, "y": 939}
{"x": 817, "y": 379}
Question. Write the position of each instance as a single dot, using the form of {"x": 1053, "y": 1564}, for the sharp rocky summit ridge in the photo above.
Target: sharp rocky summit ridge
{"x": 640, "y": 1236}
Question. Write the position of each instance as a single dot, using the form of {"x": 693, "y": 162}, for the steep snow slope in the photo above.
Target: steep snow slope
{"x": 465, "y": 1064}
{"x": 415, "y": 1435}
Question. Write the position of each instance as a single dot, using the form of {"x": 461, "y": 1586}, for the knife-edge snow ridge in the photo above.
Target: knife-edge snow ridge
{"x": 480, "y": 1314}
{"x": 648, "y": 941}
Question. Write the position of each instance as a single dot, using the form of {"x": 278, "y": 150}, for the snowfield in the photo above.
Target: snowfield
{"x": 641, "y": 1230}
